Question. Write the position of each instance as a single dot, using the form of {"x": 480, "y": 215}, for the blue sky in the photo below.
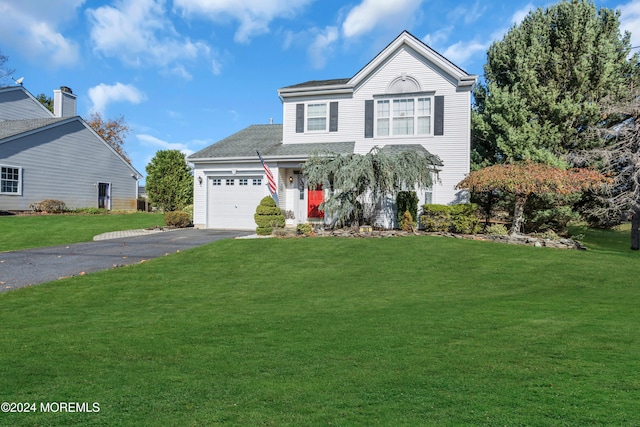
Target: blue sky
{"x": 187, "y": 73}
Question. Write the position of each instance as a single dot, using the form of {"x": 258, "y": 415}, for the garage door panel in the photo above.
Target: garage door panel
{"x": 233, "y": 206}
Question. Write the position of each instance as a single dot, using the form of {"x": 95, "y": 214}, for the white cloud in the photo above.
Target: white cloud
{"x": 519, "y": 15}
{"x": 438, "y": 37}
{"x": 468, "y": 13}
{"x": 371, "y": 14}
{"x": 139, "y": 34}
{"x": 152, "y": 141}
{"x": 34, "y": 28}
{"x": 321, "y": 48}
{"x": 254, "y": 16}
{"x": 179, "y": 71}
{"x": 461, "y": 52}
{"x": 103, "y": 94}
{"x": 630, "y": 21}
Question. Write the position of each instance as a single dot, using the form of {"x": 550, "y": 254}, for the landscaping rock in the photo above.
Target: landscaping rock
{"x": 510, "y": 240}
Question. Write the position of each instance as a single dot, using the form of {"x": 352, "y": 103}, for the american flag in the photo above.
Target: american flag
{"x": 271, "y": 182}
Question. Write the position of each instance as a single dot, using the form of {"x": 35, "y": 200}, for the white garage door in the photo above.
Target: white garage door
{"x": 233, "y": 201}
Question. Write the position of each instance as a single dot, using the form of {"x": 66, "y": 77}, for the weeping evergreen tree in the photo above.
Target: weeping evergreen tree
{"x": 361, "y": 183}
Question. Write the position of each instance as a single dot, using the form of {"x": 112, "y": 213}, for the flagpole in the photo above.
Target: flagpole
{"x": 271, "y": 181}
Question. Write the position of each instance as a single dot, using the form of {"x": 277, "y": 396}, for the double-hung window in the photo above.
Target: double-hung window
{"x": 317, "y": 117}
{"x": 405, "y": 116}
{"x": 10, "y": 180}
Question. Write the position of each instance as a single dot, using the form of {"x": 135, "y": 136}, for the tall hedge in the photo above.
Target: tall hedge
{"x": 268, "y": 216}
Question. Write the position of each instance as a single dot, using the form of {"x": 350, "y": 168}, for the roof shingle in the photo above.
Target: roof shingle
{"x": 9, "y": 128}
{"x": 267, "y": 139}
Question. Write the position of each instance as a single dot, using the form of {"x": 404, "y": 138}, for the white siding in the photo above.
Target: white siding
{"x": 202, "y": 216}
{"x": 452, "y": 148}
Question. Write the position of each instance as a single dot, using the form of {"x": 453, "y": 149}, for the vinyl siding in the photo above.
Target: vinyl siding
{"x": 65, "y": 163}
{"x": 452, "y": 147}
{"x": 208, "y": 170}
{"x": 17, "y": 105}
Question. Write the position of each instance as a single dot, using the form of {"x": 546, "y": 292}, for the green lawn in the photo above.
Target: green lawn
{"x": 327, "y": 331}
{"x": 32, "y": 231}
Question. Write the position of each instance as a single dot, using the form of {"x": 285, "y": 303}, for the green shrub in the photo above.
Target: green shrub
{"x": 436, "y": 217}
{"x": 550, "y": 212}
{"x": 91, "y": 211}
{"x": 407, "y": 224}
{"x": 406, "y": 201}
{"x": 179, "y": 219}
{"x": 464, "y": 219}
{"x": 49, "y": 206}
{"x": 496, "y": 230}
{"x": 189, "y": 210}
{"x": 305, "y": 229}
{"x": 268, "y": 216}
{"x": 547, "y": 234}
{"x": 460, "y": 218}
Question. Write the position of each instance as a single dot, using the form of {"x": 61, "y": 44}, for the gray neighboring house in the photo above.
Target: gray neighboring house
{"x": 46, "y": 155}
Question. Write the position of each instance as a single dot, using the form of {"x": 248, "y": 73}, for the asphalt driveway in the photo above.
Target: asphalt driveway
{"x": 32, "y": 266}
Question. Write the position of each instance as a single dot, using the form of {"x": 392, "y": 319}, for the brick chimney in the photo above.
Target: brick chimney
{"x": 64, "y": 102}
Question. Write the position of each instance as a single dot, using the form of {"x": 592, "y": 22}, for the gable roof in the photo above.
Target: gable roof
{"x": 9, "y": 128}
{"x": 13, "y": 129}
{"x": 407, "y": 39}
{"x": 336, "y": 86}
{"x": 267, "y": 139}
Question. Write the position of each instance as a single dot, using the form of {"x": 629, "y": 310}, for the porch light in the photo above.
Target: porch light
{"x": 200, "y": 180}
{"x": 290, "y": 180}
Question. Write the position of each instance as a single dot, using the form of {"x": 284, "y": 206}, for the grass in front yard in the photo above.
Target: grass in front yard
{"x": 326, "y": 331}
{"x": 32, "y": 231}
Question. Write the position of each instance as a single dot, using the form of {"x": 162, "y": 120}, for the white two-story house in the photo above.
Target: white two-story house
{"x": 407, "y": 97}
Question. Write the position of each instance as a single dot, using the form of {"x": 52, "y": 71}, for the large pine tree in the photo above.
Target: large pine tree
{"x": 545, "y": 80}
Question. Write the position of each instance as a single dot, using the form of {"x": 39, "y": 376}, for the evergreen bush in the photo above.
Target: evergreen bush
{"x": 436, "y": 218}
{"x": 49, "y": 206}
{"x": 464, "y": 219}
{"x": 179, "y": 219}
{"x": 406, "y": 201}
{"x": 460, "y": 218}
{"x": 496, "y": 230}
{"x": 268, "y": 216}
{"x": 304, "y": 229}
{"x": 407, "y": 224}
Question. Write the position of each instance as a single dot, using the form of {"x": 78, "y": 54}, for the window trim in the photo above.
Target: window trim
{"x": 397, "y": 98}
{"x": 308, "y": 117}
{"x": 19, "y": 186}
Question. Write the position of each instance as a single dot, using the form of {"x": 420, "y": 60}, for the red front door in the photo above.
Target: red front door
{"x": 315, "y": 198}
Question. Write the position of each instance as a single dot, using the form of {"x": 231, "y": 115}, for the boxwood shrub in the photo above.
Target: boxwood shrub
{"x": 177, "y": 219}
{"x": 49, "y": 206}
{"x": 460, "y": 218}
{"x": 268, "y": 216}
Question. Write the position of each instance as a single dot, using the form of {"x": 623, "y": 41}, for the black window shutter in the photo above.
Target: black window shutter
{"x": 368, "y": 118}
{"x": 438, "y": 116}
{"x": 333, "y": 117}
{"x": 299, "y": 118}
